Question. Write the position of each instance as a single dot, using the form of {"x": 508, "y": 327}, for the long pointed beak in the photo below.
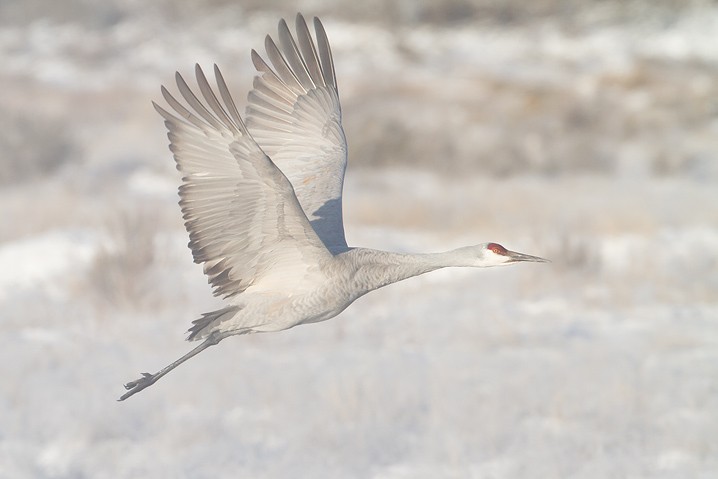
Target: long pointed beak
{"x": 515, "y": 257}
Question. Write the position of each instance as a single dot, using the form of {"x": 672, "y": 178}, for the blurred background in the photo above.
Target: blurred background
{"x": 582, "y": 131}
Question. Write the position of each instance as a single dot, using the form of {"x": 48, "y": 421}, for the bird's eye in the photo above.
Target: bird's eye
{"x": 497, "y": 248}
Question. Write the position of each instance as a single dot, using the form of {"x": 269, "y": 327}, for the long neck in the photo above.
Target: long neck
{"x": 374, "y": 269}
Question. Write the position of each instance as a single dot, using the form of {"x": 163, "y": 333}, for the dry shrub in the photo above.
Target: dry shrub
{"x": 573, "y": 253}
{"x": 122, "y": 272}
{"x": 33, "y": 147}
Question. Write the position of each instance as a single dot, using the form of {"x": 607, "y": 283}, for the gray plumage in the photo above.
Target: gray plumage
{"x": 262, "y": 201}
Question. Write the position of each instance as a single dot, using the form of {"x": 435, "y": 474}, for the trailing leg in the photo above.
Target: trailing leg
{"x": 147, "y": 379}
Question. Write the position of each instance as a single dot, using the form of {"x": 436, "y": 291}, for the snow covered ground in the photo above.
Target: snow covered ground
{"x": 603, "y": 363}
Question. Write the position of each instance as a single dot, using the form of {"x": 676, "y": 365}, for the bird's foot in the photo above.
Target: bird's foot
{"x": 138, "y": 385}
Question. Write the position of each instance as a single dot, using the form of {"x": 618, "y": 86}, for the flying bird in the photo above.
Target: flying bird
{"x": 262, "y": 198}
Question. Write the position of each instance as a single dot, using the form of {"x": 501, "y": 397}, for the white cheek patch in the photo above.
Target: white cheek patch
{"x": 494, "y": 258}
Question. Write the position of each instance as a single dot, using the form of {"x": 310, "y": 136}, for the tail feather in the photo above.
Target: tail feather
{"x": 200, "y": 327}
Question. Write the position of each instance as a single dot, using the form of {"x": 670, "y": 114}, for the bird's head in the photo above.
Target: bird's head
{"x": 493, "y": 254}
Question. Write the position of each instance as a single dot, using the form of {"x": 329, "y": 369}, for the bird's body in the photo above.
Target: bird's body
{"x": 320, "y": 290}
{"x": 262, "y": 201}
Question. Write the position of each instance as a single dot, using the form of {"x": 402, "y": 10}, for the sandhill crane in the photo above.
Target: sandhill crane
{"x": 262, "y": 200}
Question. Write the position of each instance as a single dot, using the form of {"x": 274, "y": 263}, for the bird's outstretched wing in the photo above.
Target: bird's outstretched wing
{"x": 241, "y": 212}
{"x": 294, "y": 114}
